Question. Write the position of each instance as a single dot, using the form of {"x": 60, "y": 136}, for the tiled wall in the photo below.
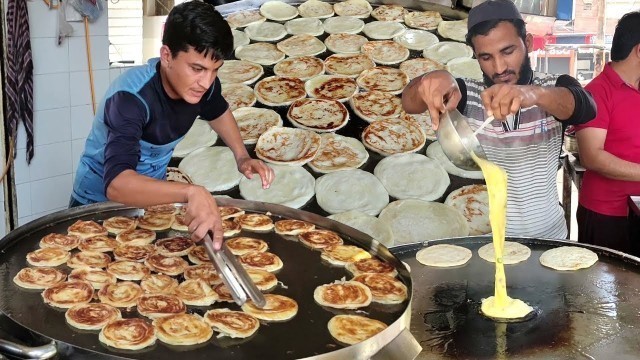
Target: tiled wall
{"x": 62, "y": 109}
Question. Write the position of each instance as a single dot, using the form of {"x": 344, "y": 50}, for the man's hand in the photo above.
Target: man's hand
{"x": 248, "y": 166}
{"x": 203, "y": 216}
{"x": 439, "y": 91}
{"x": 501, "y": 100}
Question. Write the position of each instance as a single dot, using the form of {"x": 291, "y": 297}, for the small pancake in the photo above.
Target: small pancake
{"x": 223, "y": 293}
{"x": 158, "y": 284}
{"x": 512, "y": 253}
{"x": 117, "y": 224}
{"x": 128, "y": 334}
{"x": 419, "y": 66}
{"x": 196, "y": 292}
{"x": 137, "y": 253}
{"x": 466, "y": 68}
{"x": 349, "y": 65}
{"x": 424, "y": 20}
{"x": 320, "y": 239}
{"x": 343, "y": 295}
{"x": 263, "y": 279}
{"x": 88, "y": 259}
{"x": 416, "y": 39}
{"x": 137, "y": 236}
{"x": 338, "y": 153}
{"x": 238, "y": 96}
{"x": 319, "y": 115}
{"x": 370, "y": 225}
{"x": 444, "y": 255}
{"x": 255, "y": 222}
{"x": 315, "y": 9}
{"x": 205, "y": 272}
{"x": 93, "y": 316}
{"x": 385, "y": 289}
{"x": 472, "y": 201}
{"x": 253, "y": 122}
{"x": 128, "y": 270}
{"x": 242, "y": 245}
{"x": 39, "y": 278}
{"x": 260, "y": 53}
{"x": 166, "y": 209}
{"x": 200, "y": 135}
{"x": 331, "y": 87}
{"x": 301, "y": 67}
{"x": 176, "y": 175}
{"x": 279, "y": 90}
{"x": 155, "y": 221}
{"x": 343, "y": 25}
{"x": 278, "y": 11}
{"x": 85, "y": 229}
{"x": 389, "y": 13}
{"x": 265, "y": 31}
{"x": 67, "y": 294}
{"x": 309, "y": 26}
{"x": 352, "y": 329}
{"x": 99, "y": 243}
{"x": 287, "y": 146}
{"x": 412, "y": 176}
{"x": 239, "y": 72}
{"x": 182, "y": 329}
{"x": 293, "y": 186}
{"x": 261, "y": 261}
{"x": 340, "y": 255}
{"x": 383, "y": 78}
{"x": 356, "y": 8}
{"x": 122, "y": 294}
{"x": 302, "y": 45}
{"x": 568, "y": 258}
{"x": 434, "y": 151}
{"x": 424, "y": 120}
{"x": 218, "y": 160}
{"x": 383, "y": 30}
{"x": 239, "y": 38}
{"x": 175, "y": 246}
{"x": 234, "y": 324}
{"x": 454, "y": 30}
{"x": 154, "y": 306}
{"x": 385, "y": 52}
{"x": 354, "y": 189}
{"x": 376, "y": 105}
{"x": 445, "y": 51}
{"x": 293, "y": 227}
{"x": 166, "y": 265}
{"x": 180, "y": 223}
{"x": 64, "y": 242}
{"x": 230, "y": 227}
{"x": 393, "y": 136}
{"x": 371, "y": 266}
{"x": 48, "y": 257}
{"x": 227, "y": 212}
{"x": 98, "y": 278}
{"x": 343, "y": 43}
{"x": 244, "y": 18}
{"x": 277, "y": 308}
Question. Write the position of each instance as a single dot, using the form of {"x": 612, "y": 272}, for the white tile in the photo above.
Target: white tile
{"x": 81, "y": 120}
{"x": 78, "y": 53}
{"x": 50, "y": 91}
{"x": 100, "y": 52}
{"x": 98, "y": 27}
{"x": 43, "y": 21}
{"x": 77, "y": 148}
{"x": 3, "y": 220}
{"x": 48, "y": 57}
{"x": 23, "y": 195}
{"x": 80, "y": 90}
{"x": 21, "y": 169}
{"x": 51, "y": 160}
{"x": 101, "y": 81}
{"x": 52, "y": 126}
{"x": 24, "y": 220}
{"x": 21, "y": 142}
{"x": 114, "y": 73}
{"x": 52, "y": 193}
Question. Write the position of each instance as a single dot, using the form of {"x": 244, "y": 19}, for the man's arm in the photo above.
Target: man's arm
{"x": 436, "y": 91}
{"x": 594, "y": 157}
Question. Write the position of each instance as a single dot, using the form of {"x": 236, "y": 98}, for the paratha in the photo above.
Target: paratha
{"x": 238, "y": 96}
{"x": 454, "y": 30}
{"x": 301, "y": 67}
{"x": 199, "y": 135}
{"x": 122, "y": 294}
{"x": 338, "y": 153}
{"x": 239, "y": 38}
{"x": 261, "y": 261}
{"x": 174, "y": 246}
{"x": 341, "y": 255}
{"x": 128, "y": 334}
{"x": 117, "y": 224}
{"x": 39, "y": 278}
{"x": 444, "y": 255}
{"x": 412, "y": 176}
{"x": 393, "y": 136}
{"x": 88, "y": 259}
{"x": 315, "y": 9}
{"x": 293, "y": 227}
{"x": 385, "y": 52}
{"x": 350, "y": 65}
{"x": 182, "y": 329}
{"x": 424, "y": 20}
{"x": 214, "y": 168}
{"x": 239, "y": 72}
{"x": 302, "y": 45}
{"x": 98, "y": 278}
{"x": 465, "y": 68}
{"x": 128, "y": 270}
{"x": 383, "y": 78}
{"x": 344, "y": 43}
{"x": 64, "y": 242}
{"x": 279, "y": 90}
{"x": 319, "y": 239}
{"x": 277, "y": 308}
{"x": 416, "y": 39}
{"x": 568, "y": 258}
{"x": 253, "y": 122}
{"x": 242, "y": 19}
{"x": 309, "y": 26}
{"x": 287, "y": 146}
{"x": 255, "y": 222}
{"x": 91, "y": 316}
{"x": 278, "y": 11}
{"x": 356, "y": 8}
{"x": 389, "y": 13}
{"x": 86, "y": 228}
{"x": 67, "y": 294}
{"x": 319, "y": 115}
{"x": 205, "y": 272}
{"x": 376, "y": 105}
{"x": 166, "y": 265}
{"x": 155, "y": 221}
{"x": 136, "y": 237}
{"x": 242, "y": 245}
{"x": 352, "y": 329}
{"x": 196, "y": 292}
{"x": 420, "y": 66}
{"x": 265, "y": 31}
{"x": 383, "y": 30}
{"x": 158, "y": 284}
{"x": 354, "y": 189}
{"x": 261, "y": 53}
{"x": 343, "y": 25}
{"x": 370, "y": 225}
{"x": 154, "y": 306}
{"x": 235, "y": 324}
{"x": 444, "y": 51}
{"x": 472, "y": 201}
{"x": 133, "y": 252}
{"x": 371, "y": 266}
{"x": 512, "y": 253}
{"x": 343, "y": 295}
{"x": 48, "y": 257}
{"x": 331, "y": 87}
{"x": 384, "y": 289}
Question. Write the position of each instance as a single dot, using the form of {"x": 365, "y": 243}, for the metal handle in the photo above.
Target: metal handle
{"x": 39, "y": 352}
{"x": 227, "y": 276}
{"x": 243, "y": 276}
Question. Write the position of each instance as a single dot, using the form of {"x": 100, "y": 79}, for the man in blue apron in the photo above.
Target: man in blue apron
{"x": 148, "y": 110}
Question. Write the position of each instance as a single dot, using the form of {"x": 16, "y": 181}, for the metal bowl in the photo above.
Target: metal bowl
{"x": 458, "y": 140}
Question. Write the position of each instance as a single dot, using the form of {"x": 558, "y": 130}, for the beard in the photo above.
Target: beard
{"x": 526, "y": 74}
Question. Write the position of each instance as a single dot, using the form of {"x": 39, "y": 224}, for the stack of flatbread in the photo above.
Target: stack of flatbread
{"x": 212, "y": 167}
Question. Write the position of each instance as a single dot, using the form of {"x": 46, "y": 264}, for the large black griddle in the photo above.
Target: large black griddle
{"x": 591, "y": 313}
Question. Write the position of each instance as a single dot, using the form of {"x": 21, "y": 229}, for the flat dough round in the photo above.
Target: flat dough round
{"x": 356, "y": 8}
{"x": 416, "y": 220}
{"x": 154, "y": 306}
{"x": 228, "y": 212}
{"x": 412, "y": 176}
{"x": 444, "y": 51}
{"x": 315, "y": 9}
{"x": 383, "y": 78}
{"x": 287, "y": 146}
{"x": 241, "y": 19}
{"x": 350, "y": 65}
{"x": 332, "y": 87}
{"x": 278, "y": 11}
{"x": 98, "y": 278}
{"x": 263, "y": 279}
{"x": 175, "y": 246}
{"x": 444, "y": 255}
{"x": 567, "y": 258}
{"x": 513, "y": 253}
{"x": 200, "y": 135}
{"x": 39, "y": 278}
{"x": 419, "y": 66}
{"x": 293, "y": 227}
{"x": 171, "y": 266}
{"x": 136, "y": 237}
{"x": 128, "y": 334}
{"x": 98, "y": 243}
{"x": 260, "y": 53}
{"x": 242, "y": 245}
{"x": 424, "y": 20}
{"x": 320, "y": 239}
{"x": 343, "y": 25}
{"x": 338, "y": 153}
{"x": 261, "y": 261}
{"x": 279, "y": 90}
{"x": 198, "y": 255}
{"x": 234, "y": 324}
{"x": 343, "y": 295}
{"x": 180, "y": 223}
{"x": 117, "y": 224}
{"x": 265, "y": 31}
{"x": 255, "y": 222}
{"x": 301, "y": 67}
{"x": 424, "y": 120}
{"x": 253, "y": 122}
{"x": 318, "y": 115}
{"x": 85, "y": 229}
{"x": 158, "y": 284}
{"x": 239, "y": 72}
{"x": 416, "y": 39}
{"x": 351, "y": 190}
{"x": 155, "y": 221}
{"x": 65, "y": 242}
{"x": 212, "y": 167}
{"x": 122, "y": 294}
{"x": 204, "y": 272}
{"x": 383, "y": 30}
{"x": 384, "y": 289}
{"x": 454, "y": 30}
{"x": 352, "y": 329}
{"x": 343, "y": 43}
{"x": 137, "y": 253}
{"x": 341, "y": 255}
{"x": 472, "y": 201}
{"x": 238, "y": 96}
{"x": 376, "y": 105}
{"x": 92, "y": 316}
{"x": 302, "y": 45}
{"x": 465, "y": 68}
{"x": 370, "y": 225}
{"x": 67, "y": 294}
{"x": 393, "y": 136}
{"x": 196, "y": 292}
{"x": 128, "y": 270}
{"x": 293, "y": 186}
{"x": 371, "y": 266}
{"x": 389, "y": 13}
{"x": 309, "y": 26}
{"x": 277, "y": 308}
{"x": 88, "y": 259}
{"x": 48, "y": 257}
{"x": 239, "y": 39}
{"x": 175, "y": 175}
{"x": 386, "y": 52}
{"x": 434, "y": 151}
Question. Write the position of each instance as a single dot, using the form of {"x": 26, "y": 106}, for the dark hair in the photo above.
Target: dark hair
{"x": 484, "y": 27}
{"x": 626, "y": 36}
{"x": 199, "y": 25}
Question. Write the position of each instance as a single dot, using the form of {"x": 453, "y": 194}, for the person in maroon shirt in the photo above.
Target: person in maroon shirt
{"x": 609, "y": 145}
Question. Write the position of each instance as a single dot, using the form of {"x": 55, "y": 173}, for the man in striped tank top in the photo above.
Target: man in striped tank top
{"x": 530, "y": 110}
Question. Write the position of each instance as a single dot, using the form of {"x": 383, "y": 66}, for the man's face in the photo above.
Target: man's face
{"x": 189, "y": 75}
{"x": 503, "y": 55}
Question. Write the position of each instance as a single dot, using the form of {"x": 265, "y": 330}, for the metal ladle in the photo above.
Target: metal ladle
{"x": 458, "y": 140}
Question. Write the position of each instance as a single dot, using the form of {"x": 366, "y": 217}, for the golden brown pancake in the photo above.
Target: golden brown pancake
{"x": 227, "y": 212}
{"x": 223, "y": 293}
{"x": 182, "y": 329}
{"x": 85, "y": 229}
{"x": 118, "y": 224}
{"x": 341, "y": 255}
{"x": 166, "y": 265}
{"x": 293, "y": 227}
{"x": 99, "y": 243}
{"x": 91, "y": 259}
{"x": 121, "y": 294}
{"x": 158, "y": 284}
{"x": 67, "y": 294}
{"x": 279, "y": 90}
{"x": 389, "y": 13}
{"x": 320, "y": 239}
{"x": 204, "y": 272}
{"x": 261, "y": 260}
{"x": 91, "y": 316}
{"x": 128, "y": 334}
{"x": 230, "y": 227}
{"x": 371, "y": 266}
{"x": 48, "y": 257}
{"x": 350, "y": 65}
{"x": 180, "y": 223}
{"x": 128, "y": 270}
{"x": 255, "y": 222}
{"x": 165, "y": 209}
{"x": 154, "y": 306}
{"x": 39, "y": 278}
{"x": 242, "y": 245}
{"x": 235, "y": 324}
{"x": 155, "y": 221}
{"x": 196, "y": 292}
{"x": 343, "y": 295}
{"x": 277, "y": 308}
{"x": 198, "y": 255}
{"x": 175, "y": 246}
{"x": 385, "y": 289}
{"x": 137, "y": 253}
{"x": 352, "y": 329}
{"x": 65, "y": 242}
{"x": 98, "y": 278}
{"x": 136, "y": 237}
{"x": 264, "y": 280}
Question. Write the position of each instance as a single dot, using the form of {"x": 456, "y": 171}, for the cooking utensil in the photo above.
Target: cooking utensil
{"x": 458, "y": 140}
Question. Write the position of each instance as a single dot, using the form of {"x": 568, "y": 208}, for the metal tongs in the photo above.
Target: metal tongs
{"x": 234, "y": 276}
